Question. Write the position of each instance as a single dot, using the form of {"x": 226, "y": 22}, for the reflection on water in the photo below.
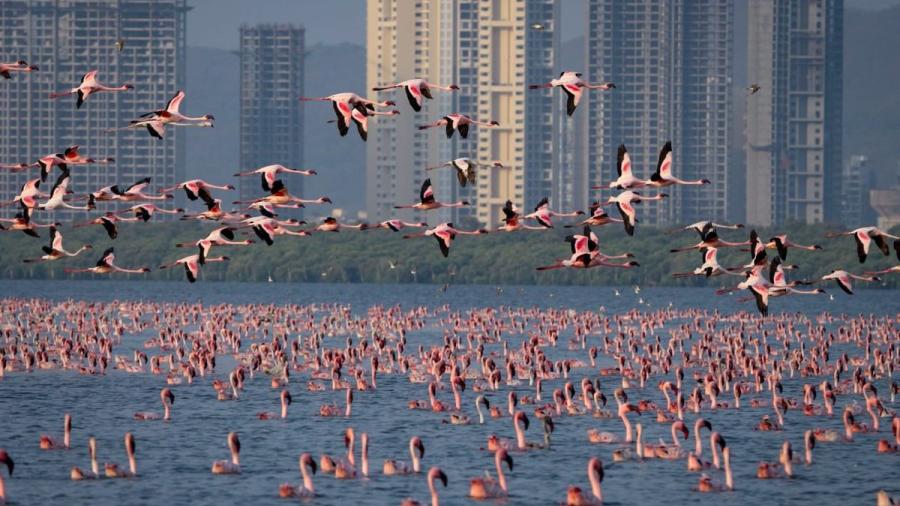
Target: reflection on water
{"x": 174, "y": 458}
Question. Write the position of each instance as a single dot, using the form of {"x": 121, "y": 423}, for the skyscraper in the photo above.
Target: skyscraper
{"x": 518, "y": 45}
{"x": 67, "y": 38}
{"x": 271, "y": 114}
{"x": 794, "y": 122}
{"x": 672, "y": 63}
{"x": 858, "y": 180}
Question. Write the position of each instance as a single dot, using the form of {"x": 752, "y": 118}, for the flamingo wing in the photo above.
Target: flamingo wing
{"x": 175, "y": 102}
{"x": 628, "y": 216}
{"x": 426, "y": 193}
{"x": 623, "y": 161}
{"x": 414, "y": 95}
{"x": 573, "y": 92}
{"x": 342, "y": 112}
{"x": 862, "y": 245}
{"x": 664, "y": 164}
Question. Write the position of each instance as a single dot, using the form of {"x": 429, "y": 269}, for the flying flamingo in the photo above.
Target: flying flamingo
{"x": 214, "y": 212}
{"x": 234, "y": 466}
{"x": 58, "y": 193}
{"x": 709, "y": 267}
{"x": 544, "y": 215}
{"x": 702, "y": 226}
{"x": 280, "y": 197}
{"x": 269, "y": 174}
{"x": 575, "y": 496}
{"x": 197, "y": 188}
{"x": 113, "y": 470}
{"x": 782, "y": 243}
{"x": 331, "y": 224}
{"x": 155, "y": 122}
{"x": 598, "y": 217}
{"x": 465, "y": 169}
{"x": 106, "y": 265}
{"x": 28, "y": 195}
{"x": 663, "y": 175}
{"x": 627, "y": 179}
{"x": 571, "y": 83}
{"x": 488, "y": 488}
{"x": 56, "y": 251}
{"x": 222, "y": 236}
{"x": 513, "y": 221}
{"x": 710, "y": 239}
{"x": 63, "y": 160}
{"x": 865, "y": 236}
{"x": 146, "y": 211}
{"x": 416, "y": 452}
{"x": 19, "y": 66}
{"x": 844, "y": 278}
{"x": 417, "y": 90}
{"x": 344, "y": 104}
{"x": 360, "y": 117}
{"x": 192, "y": 265}
{"x": 444, "y": 234}
{"x": 48, "y": 443}
{"x": 427, "y": 200}
{"x": 267, "y": 229}
{"x": 624, "y": 202}
{"x": 89, "y": 85}
{"x": 895, "y": 268}
{"x": 108, "y": 221}
{"x": 168, "y": 400}
{"x": 458, "y": 122}
{"x": 434, "y": 474}
{"x": 136, "y": 192}
{"x": 22, "y": 222}
{"x": 397, "y": 225}
{"x": 306, "y": 489}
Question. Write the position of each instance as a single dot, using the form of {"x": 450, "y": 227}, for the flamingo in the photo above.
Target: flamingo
{"x": 434, "y": 474}
{"x": 663, "y": 175}
{"x": 416, "y": 452}
{"x": 598, "y": 217}
{"x": 214, "y": 212}
{"x": 417, "y": 90}
{"x": 197, "y": 188}
{"x": 146, "y": 211}
{"x": 48, "y": 443}
{"x": 709, "y": 267}
{"x": 707, "y": 485}
{"x": 488, "y": 488}
{"x": 108, "y": 222}
{"x": 360, "y": 117}
{"x": 331, "y": 224}
{"x": 624, "y": 201}
{"x": 513, "y": 221}
{"x": 844, "y": 278}
{"x": 63, "y": 160}
{"x": 55, "y": 250}
{"x": 19, "y": 66}
{"x": 222, "y": 236}
{"x": 136, "y": 192}
{"x": 58, "y": 193}
{"x": 106, "y": 265}
{"x": 544, "y": 215}
{"x": 28, "y": 194}
{"x": 465, "y": 169}
{"x": 22, "y": 222}
{"x": 458, "y": 122}
{"x": 572, "y": 84}
{"x": 397, "y": 225}
{"x": 344, "y": 104}
{"x": 306, "y": 489}
{"x": 192, "y": 265}
{"x": 782, "y": 243}
{"x": 444, "y": 234}
{"x": 89, "y": 85}
{"x": 702, "y": 226}
{"x": 168, "y": 400}
{"x": 280, "y": 197}
{"x": 709, "y": 238}
{"x": 627, "y": 179}
{"x": 113, "y": 470}
{"x": 864, "y": 237}
{"x": 77, "y": 474}
{"x": 269, "y": 173}
{"x": 155, "y": 122}
{"x": 575, "y": 496}
{"x": 234, "y": 466}
{"x": 286, "y": 400}
{"x": 427, "y": 200}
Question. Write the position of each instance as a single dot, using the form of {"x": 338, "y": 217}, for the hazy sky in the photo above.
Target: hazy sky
{"x": 215, "y": 23}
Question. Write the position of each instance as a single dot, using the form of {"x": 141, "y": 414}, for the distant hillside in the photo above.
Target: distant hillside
{"x": 871, "y": 96}
{"x": 213, "y": 85}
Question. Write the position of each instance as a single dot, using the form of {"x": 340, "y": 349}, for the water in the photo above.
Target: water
{"x": 174, "y": 458}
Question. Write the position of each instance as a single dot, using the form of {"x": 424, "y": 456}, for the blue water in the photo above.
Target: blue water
{"x": 174, "y": 458}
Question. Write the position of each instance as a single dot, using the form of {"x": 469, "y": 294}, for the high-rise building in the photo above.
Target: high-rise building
{"x": 794, "y": 121}
{"x": 858, "y": 181}
{"x": 671, "y": 61}
{"x": 271, "y": 116}
{"x": 67, "y": 38}
{"x": 518, "y": 46}
{"x": 488, "y": 50}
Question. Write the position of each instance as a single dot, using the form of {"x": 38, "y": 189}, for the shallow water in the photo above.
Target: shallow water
{"x": 174, "y": 458}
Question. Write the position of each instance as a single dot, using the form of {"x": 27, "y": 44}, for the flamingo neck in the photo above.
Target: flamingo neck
{"x": 500, "y": 476}
{"x": 307, "y": 479}
{"x": 595, "y": 486}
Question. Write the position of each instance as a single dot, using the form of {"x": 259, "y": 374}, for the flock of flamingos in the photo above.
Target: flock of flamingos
{"x": 709, "y": 362}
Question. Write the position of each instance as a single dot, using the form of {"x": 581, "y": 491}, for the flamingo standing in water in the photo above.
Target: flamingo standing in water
{"x": 575, "y": 496}
{"x": 464, "y": 168}
{"x": 434, "y": 474}
{"x": 416, "y": 452}
{"x": 573, "y": 85}
{"x": 19, "y": 66}
{"x": 234, "y": 466}
{"x": 444, "y": 234}
{"x": 417, "y": 90}
{"x": 106, "y": 265}
{"x": 113, "y": 470}
{"x": 155, "y": 122}
{"x": 55, "y": 250}
{"x": 427, "y": 200}
{"x": 458, "y": 122}
{"x": 88, "y": 86}
{"x": 844, "y": 278}
{"x": 487, "y": 487}
{"x": 269, "y": 173}
{"x": 168, "y": 400}
{"x": 192, "y": 265}
{"x": 305, "y": 489}
{"x": 663, "y": 175}
{"x": 77, "y": 474}
{"x": 865, "y": 236}
{"x": 48, "y": 443}
{"x": 544, "y": 215}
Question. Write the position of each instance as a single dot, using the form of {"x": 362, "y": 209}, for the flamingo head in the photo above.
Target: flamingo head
{"x": 128, "y": 86}
{"x": 389, "y": 103}
{"x": 325, "y": 200}
{"x": 436, "y": 474}
{"x": 167, "y": 395}
{"x": 680, "y": 426}
{"x": 495, "y": 123}
{"x": 6, "y": 459}
{"x": 313, "y": 172}
{"x": 286, "y": 397}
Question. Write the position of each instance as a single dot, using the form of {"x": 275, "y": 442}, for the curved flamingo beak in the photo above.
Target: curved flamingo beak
{"x": 6, "y": 459}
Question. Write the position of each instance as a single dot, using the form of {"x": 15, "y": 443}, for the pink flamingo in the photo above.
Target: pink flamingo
{"x": 305, "y": 489}
{"x": 88, "y": 86}
{"x": 397, "y": 467}
{"x": 113, "y": 470}
{"x": 234, "y": 466}
{"x": 487, "y": 487}
{"x": 576, "y": 497}
{"x": 285, "y": 402}
{"x": 48, "y": 443}
{"x": 434, "y": 474}
{"x": 168, "y": 400}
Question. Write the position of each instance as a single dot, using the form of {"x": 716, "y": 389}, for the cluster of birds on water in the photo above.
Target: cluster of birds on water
{"x": 676, "y": 369}
{"x": 352, "y": 109}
